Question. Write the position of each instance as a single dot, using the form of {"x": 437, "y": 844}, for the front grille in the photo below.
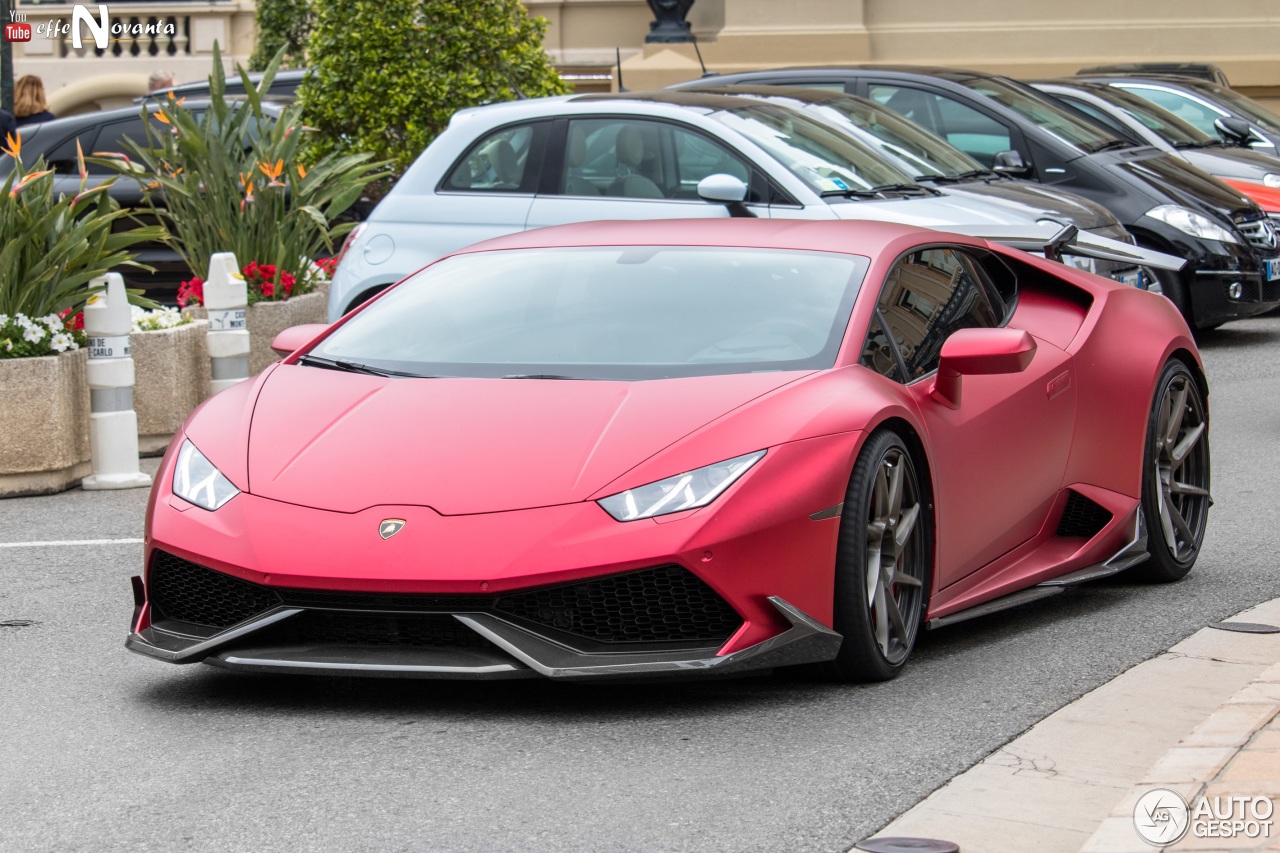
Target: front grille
{"x": 1258, "y": 291}
{"x": 431, "y": 630}
{"x": 1261, "y": 234}
{"x": 181, "y": 590}
{"x": 665, "y": 604}
{"x": 1082, "y": 517}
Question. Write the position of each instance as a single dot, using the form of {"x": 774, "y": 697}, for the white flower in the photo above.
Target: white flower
{"x": 61, "y": 342}
{"x": 4, "y": 319}
{"x": 54, "y": 322}
{"x": 35, "y": 334}
{"x": 160, "y": 318}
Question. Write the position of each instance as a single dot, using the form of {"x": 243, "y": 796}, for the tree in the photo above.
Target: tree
{"x": 387, "y": 75}
{"x": 283, "y": 24}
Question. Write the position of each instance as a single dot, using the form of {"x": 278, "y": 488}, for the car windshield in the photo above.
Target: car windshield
{"x": 1162, "y": 123}
{"x": 1036, "y": 108}
{"x": 625, "y": 313}
{"x": 1247, "y": 107}
{"x": 912, "y": 147}
{"x": 825, "y": 159}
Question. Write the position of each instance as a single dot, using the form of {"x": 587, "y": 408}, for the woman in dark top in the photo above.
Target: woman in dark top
{"x": 29, "y": 106}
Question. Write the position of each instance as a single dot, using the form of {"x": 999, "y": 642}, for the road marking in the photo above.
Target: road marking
{"x": 59, "y": 543}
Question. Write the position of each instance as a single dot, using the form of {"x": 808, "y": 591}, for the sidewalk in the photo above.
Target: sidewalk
{"x": 1202, "y": 720}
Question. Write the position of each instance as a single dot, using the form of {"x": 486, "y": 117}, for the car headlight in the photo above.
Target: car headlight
{"x": 1271, "y": 179}
{"x": 683, "y": 491}
{"x": 196, "y": 480}
{"x": 1190, "y": 222}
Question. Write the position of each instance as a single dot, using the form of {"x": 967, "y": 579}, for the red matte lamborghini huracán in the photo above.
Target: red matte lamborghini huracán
{"x": 623, "y": 449}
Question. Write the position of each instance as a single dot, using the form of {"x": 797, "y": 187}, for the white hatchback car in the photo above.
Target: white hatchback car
{"x": 657, "y": 155}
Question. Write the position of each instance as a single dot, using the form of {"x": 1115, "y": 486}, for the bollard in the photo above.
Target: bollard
{"x": 113, "y": 425}
{"x": 226, "y": 298}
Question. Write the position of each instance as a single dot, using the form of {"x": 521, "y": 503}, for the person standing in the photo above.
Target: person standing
{"x": 160, "y": 80}
{"x": 29, "y": 105}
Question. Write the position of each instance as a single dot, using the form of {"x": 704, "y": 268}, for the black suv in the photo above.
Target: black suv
{"x": 1233, "y": 257}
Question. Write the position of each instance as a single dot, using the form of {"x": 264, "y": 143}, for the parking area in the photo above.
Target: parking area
{"x": 106, "y": 750}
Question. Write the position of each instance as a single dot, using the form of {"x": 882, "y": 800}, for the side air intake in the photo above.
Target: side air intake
{"x": 1082, "y": 517}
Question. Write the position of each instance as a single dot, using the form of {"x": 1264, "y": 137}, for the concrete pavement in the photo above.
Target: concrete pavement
{"x": 1201, "y": 720}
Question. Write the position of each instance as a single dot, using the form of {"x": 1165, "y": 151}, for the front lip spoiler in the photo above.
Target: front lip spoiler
{"x": 521, "y": 653}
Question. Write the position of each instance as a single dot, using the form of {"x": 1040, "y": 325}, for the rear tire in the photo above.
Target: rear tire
{"x": 883, "y": 562}
{"x": 1175, "y": 476}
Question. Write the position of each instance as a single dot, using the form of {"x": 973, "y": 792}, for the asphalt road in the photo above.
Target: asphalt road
{"x": 104, "y": 750}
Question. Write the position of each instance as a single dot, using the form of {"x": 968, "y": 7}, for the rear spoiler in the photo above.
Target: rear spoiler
{"x": 1071, "y": 241}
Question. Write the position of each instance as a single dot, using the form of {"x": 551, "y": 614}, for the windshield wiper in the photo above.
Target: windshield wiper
{"x": 873, "y": 192}
{"x": 351, "y": 367}
{"x": 539, "y": 376}
{"x": 1110, "y": 145}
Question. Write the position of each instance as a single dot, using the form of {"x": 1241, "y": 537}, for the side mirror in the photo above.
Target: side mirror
{"x": 295, "y": 337}
{"x": 1233, "y": 129}
{"x": 727, "y": 190}
{"x": 1010, "y": 163}
{"x": 979, "y": 352}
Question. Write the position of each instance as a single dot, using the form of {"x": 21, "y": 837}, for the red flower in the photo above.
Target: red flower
{"x": 75, "y": 323}
{"x": 191, "y": 292}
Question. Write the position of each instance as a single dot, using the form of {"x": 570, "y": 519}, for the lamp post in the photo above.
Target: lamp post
{"x": 6, "y": 61}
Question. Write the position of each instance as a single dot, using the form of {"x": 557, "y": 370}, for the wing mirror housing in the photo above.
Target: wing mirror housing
{"x": 727, "y": 190}
{"x": 1011, "y": 163}
{"x": 1233, "y": 130}
{"x": 979, "y": 352}
{"x": 294, "y": 338}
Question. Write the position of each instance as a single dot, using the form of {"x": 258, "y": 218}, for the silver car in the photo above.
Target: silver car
{"x": 658, "y": 155}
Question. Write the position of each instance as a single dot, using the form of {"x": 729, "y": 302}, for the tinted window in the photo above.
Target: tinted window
{"x": 635, "y": 158}
{"x": 903, "y": 141}
{"x": 1041, "y": 111}
{"x": 642, "y": 312}
{"x": 499, "y": 162}
{"x": 1100, "y": 117}
{"x": 973, "y": 132}
{"x": 927, "y": 296}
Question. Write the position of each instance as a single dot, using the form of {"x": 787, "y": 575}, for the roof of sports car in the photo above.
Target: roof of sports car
{"x": 846, "y": 236}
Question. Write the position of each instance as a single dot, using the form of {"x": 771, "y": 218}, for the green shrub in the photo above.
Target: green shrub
{"x": 387, "y": 75}
{"x": 283, "y": 25}
{"x": 238, "y": 179}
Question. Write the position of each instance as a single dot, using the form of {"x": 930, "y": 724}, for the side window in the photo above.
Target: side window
{"x": 111, "y": 140}
{"x": 927, "y": 296}
{"x": 639, "y": 159}
{"x": 973, "y": 132}
{"x": 499, "y": 162}
{"x": 1103, "y": 119}
{"x": 1184, "y": 107}
{"x": 62, "y": 157}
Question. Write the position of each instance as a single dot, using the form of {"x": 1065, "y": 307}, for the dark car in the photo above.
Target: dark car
{"x": 1215, "y": 110}
{"x": 283, "y": 88}
{"x": 1195, "y": 70}
{"x": 1233, "y": 259}
{"x": 1143, "y": 123}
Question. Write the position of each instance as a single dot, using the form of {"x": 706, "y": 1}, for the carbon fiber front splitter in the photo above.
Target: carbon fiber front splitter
{"x": 516, "y": 653}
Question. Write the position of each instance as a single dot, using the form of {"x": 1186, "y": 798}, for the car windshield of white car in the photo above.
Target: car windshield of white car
{"x": 610, "y": 313}
{"x": 830, "y": 162}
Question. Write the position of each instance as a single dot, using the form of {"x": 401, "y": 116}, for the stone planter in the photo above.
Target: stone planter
{"x": 44, "y": 423}
{"x": 267, "y": 319}
{"x": 172, "y": 368}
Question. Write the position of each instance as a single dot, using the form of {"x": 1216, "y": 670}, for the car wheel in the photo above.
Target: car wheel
{"x": 883, "y": 562}
{"x": 1175, "y": 478}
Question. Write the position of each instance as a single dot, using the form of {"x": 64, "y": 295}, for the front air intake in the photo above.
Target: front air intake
{"x": 1082, "y": 517}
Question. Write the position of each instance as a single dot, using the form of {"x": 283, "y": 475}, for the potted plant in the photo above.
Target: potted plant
{"x": 238, "y": 177}
{"x": 51, "y": 248}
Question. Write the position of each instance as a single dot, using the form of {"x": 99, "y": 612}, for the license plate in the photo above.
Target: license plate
{"x": 1273, "y": 269}
{"x": 1133, "y": 278}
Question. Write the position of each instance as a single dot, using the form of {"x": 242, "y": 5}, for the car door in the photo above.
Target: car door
{"x": 486, "y": 193}
{"x": 998, "y": 459}
{"x": 975, "y": 131}
{"x": 628, "y": 167}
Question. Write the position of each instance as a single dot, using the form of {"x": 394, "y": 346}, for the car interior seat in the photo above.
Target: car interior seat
{"x": 505, "y": 164}
{"x": 575, "y": 156}
{"x": 631, "y": 153}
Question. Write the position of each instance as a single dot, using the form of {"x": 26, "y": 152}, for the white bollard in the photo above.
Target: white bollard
{"x": 226, "y": 298}
{"x": 113, "y": 425}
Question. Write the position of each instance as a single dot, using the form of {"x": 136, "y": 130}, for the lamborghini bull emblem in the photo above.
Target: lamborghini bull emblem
{"x": 390, "y": 527}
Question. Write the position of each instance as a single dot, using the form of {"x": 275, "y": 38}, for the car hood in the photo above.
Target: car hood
{"x": 346, "y": 442}
{"x": 932, "y": 212}
{"x": 1167, "y": 179}
{"x": 1240, "y": 163}
{"x": 1036, "y": 201}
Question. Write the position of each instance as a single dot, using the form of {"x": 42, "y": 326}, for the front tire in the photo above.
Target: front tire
{"x": 1175, "y": 475}
{"x": 883, "y": 562}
